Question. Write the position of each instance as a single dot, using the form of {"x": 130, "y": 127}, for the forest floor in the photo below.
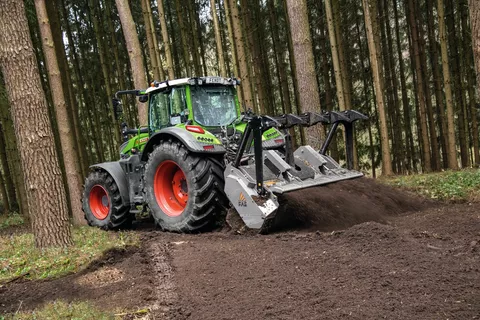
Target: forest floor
{"x": 368, "y": 252}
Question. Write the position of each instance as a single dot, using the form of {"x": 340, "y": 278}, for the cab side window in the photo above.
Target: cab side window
{"x": 178, "y": 102}
{"x": 159, "y": 107}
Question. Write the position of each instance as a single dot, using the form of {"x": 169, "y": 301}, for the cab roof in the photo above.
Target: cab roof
{"x": 158, "y": 86}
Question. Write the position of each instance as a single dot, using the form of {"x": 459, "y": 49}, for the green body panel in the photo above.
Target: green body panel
{"x": 138, "y": 142}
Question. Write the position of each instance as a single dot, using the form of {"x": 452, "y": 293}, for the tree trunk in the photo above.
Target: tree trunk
{"x": 46, "y": 192}
{"x": 218, "y": 39}
{"x": 451, "y": 149}
{"x": 428, "y": 96}
{"x": 9, "y": 195}
{"x": 241, "y": 54}
{"x": 13, "y": 158}
{"x": 166, "y": 40}
{"x": 371, "y": 23}
{"x": 231, "y": 39}
{"x": 437, "y": 80}
{"x": 468, "y": 52}
{"x": 3, "y": 195}
{"x": 72, "y": 106}
{"x": 338, "y": 31}
{"x": 420, "y": 88}
{"x": 155, "y": 41}
{"x": 405, "y": 100}
{"x": 149, "y": 35}
{"x": 279, "y": 58}
{"x": 134, "y": 53}
{"x": 309, "y": 99}
{"x": 335, "y": 58}
{"x": 183, "y": 36}
{"x": 64, "y": 125}
{"x": 457, "y": 81}
{"x": 78, "y": 77}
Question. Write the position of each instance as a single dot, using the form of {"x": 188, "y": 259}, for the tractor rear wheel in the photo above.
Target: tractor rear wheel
{"x": 102, "y": 203}
{"x": 184, "y": 190}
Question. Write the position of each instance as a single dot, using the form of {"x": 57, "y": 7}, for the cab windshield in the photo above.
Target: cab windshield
{"x": 213, "y": 106}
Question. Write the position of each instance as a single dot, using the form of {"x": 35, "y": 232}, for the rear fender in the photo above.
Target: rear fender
{"x": 187, "y": 139}
{"x": 115, "y": 171}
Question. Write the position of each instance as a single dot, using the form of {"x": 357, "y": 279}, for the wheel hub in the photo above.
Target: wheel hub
{"x": 170, "y": 188}
{"x": 99, "y": 202}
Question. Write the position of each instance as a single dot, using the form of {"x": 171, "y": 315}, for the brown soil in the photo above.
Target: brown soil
{"x": 422, "y": 262}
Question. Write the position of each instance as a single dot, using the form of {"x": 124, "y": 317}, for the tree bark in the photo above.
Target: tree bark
{"x": 155, "y": 42}
{"x": 451, "y": 149}
{"x": 218, "y": 39}
{"x": 9, "y": 195}
{"x": 166, "y": 40}
{"x": 467, "y": 31}
{"x": 279, "y": 58}
{"x": 371, "y": 23}
{"x": 336, "y": 61}
{"x": 13, "y": 157}
{"x": 72, "y": 106}
{"x": 420, "y": 88}
{"x": 428, "y": 96}
{"x": 241, "y": 54}
{"x": 149, "y": 35}
{"x": 309, "y": 99}
{"x": 134, "y": 54}
{"x": 437, "y": 80}
{"x": 34, "y": 134}
{"x": 64, "y": 125}
{"x": 183, "y": 36}
{"x": 458, "y": 91}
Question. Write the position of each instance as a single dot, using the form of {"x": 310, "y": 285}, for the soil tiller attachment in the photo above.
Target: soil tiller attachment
{"x": 255, "y": 180}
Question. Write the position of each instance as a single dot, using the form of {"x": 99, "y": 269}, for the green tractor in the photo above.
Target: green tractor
{"x": 200, "y": 154}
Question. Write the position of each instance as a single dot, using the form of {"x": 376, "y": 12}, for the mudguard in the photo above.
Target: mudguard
{"x": 115, "y": 170}
{"x": 185, "y": 137}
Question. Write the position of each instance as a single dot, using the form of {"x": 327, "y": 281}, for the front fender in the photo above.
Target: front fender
{"x": 116, "y": 172}
{"x": 187, "y": 139}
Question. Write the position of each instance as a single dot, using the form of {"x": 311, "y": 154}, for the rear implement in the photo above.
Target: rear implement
{"x": 253, "y": 187}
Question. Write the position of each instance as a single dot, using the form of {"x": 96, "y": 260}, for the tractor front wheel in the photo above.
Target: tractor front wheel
{"x": 183, "y": 190}
{"x": 102, "y": 203}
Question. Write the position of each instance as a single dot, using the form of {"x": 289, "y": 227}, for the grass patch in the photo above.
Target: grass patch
{"x": 10, "y": 220}
{"x": 78, "y": 310}
{"x": 62, "y": 310}
{"x": 454, "y": 186}
{"x": 20, "y": 258}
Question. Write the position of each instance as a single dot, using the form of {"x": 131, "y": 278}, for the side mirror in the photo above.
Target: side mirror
{"x": 143, "y": 98}
{"x": 117, "y": 107}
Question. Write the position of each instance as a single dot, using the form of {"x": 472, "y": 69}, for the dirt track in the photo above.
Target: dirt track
{"x": 421, "y": 265}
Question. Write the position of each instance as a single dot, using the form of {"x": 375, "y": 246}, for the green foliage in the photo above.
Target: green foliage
{"x": 11, "y": 220}
{"x": 62, "y": 310}
{"x": 20, "y": 258}
{"x": 447, "y": 186}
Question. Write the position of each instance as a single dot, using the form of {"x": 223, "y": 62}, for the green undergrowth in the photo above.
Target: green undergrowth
{"x": 451, "y": 186}
{"x": 10, "y": 220}
{"x": 20, "y": 259}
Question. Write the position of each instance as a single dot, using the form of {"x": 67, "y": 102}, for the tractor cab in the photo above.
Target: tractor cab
{"x": 207, "y": 102}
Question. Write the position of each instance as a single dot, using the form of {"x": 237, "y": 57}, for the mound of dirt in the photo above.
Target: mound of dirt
{"x": 344, "y": 204}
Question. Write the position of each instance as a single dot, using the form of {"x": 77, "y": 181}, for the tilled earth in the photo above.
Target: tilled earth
{"x": 392, "y": 256}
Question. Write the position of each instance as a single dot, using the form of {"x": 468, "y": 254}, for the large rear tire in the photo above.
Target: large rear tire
{"x": 102, "y": 203}
{"x": 184, "y": 190}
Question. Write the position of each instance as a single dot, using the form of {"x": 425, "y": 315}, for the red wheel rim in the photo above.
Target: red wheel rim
{"x": 99, "y": 202}
{"x": 170, "y": 188}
